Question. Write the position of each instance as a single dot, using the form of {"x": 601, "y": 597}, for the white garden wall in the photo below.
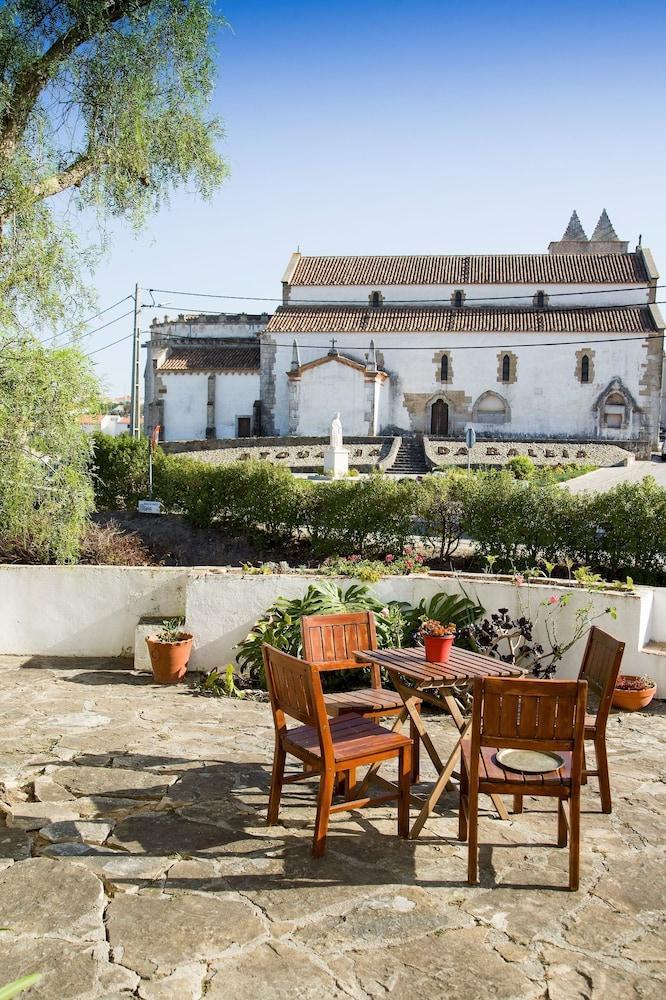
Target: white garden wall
{"x": 93, "y": 610}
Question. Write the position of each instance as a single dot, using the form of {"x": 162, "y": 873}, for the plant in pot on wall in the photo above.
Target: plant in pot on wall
{"x": 437, "y": 639}
{"x": 170, "y": 651}
{"x": 633, "y": 693}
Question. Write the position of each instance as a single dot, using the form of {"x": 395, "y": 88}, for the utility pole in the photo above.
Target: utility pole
{"x": 135, "y": 408}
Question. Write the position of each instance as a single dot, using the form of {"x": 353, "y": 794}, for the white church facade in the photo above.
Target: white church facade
{"x": 561, "y": 345}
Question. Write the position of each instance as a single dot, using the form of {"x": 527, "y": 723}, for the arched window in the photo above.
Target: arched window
{"x": 458, "y": 298}
{"x": 375, "y": 300}
{"x": 444, "y": 371}
{"x": 585, "y": 368}
{"x": 540, "y": 300}
{"x": 506, "y": 368}
{"x": 490, "y": 409}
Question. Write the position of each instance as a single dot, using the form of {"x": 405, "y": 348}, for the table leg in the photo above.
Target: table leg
{"x": 459, "y": 720}
{"x": 439, "y": 787}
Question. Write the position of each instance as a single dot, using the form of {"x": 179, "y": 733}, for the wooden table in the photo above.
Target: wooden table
{"x": 416, "y": 679}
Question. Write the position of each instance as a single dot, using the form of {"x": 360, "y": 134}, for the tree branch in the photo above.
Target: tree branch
{"x": 71, "y": 176}
{"x": 33, "y": 77}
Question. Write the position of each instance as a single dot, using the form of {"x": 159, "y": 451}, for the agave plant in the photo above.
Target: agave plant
{"x": 449, "y": 609}
{"x": 396, "y": 622}
{"x": 280, "y": 626}
{"x": 18, "y": 986}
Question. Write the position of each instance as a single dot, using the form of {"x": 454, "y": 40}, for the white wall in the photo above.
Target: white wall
{"x": 83, "y": 610}
{"x": 545, "y": 400}
{"x": 235, "y": 393}
{"x": 93, "y": 610}
{"x": 505, "y": 295}
{"x": 185, "y": 403}
{"x": 327, "y": 389}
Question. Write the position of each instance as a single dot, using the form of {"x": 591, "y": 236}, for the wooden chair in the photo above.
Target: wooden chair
{"x": 600, "y": 667}
{"x": 329, "y": 641}
{"x": 529, "y": 715}
{"x": 327, "y": 746}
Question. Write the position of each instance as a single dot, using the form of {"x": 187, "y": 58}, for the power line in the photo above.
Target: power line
{"x": 112, "y": 344}
{"x": 349, "y": 302}
{"x": 88, "y": 333}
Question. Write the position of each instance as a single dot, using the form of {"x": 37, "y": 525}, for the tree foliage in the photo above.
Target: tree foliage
{"x": 45, "y": 488}
{"x": 103, "y": 101}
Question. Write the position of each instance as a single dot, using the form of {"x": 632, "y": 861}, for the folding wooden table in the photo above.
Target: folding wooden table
{"x": 416, "y": 679}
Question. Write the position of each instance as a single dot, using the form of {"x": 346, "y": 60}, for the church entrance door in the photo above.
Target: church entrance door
{"x": 439, "y": 419}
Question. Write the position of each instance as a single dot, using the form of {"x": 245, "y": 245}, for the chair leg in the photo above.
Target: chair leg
{"x": 562, "y": 829}
{"x": 324, "y": 800}
{"x": 416, "y": 750}
{"x": 517, "y": 804}
{"x": 277, "y": 780}
{"x": 574, "y": 839}
{"x": 473, "y": 836}
{"x": 604, "y": 777}
{"x": 463, "y": 804}
{"x": 350, "y": 783}
{"x": 404, "y": 786}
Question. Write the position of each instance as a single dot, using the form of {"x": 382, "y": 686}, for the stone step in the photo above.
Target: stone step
{"x": 654, "y": 648}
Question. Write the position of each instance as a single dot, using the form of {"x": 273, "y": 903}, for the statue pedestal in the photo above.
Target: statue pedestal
{"x": 336, "y": 461}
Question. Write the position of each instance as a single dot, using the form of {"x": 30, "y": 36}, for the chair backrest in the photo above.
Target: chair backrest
{"x": 600, "y": 667}
{"x": 529, "y": 715}
{"x": 294, "y": 688}
{"x": 330, "y": 640}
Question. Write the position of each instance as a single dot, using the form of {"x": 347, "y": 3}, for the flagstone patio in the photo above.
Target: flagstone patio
{"x": 134, "y": 861}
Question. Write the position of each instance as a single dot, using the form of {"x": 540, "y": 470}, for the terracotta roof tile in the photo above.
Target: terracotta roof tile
{"x": 438, "y": 319}
{"x": 497, "y": 269}
{"x": 192, "y": 359}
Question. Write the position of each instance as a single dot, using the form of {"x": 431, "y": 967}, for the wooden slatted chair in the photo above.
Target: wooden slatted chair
{"x": 528, "y": 715}
{"x": 600, "y": 668}
{"x": 327, "y": 746}
{"x": 329, "y": 641}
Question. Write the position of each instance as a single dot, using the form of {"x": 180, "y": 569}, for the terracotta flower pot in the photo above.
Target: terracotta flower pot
{"x": 633, "y": 701}
{"x": 169, "y": 659}
{"x": 437, "y": 647}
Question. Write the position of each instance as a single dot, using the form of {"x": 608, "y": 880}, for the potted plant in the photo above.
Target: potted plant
{"x": 633, "y": 693}
{"x": 170, "y": 651}
{"x": 437, "y": 639}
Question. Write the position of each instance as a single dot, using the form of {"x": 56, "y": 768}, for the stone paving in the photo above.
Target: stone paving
{"x": 134, "y": 861}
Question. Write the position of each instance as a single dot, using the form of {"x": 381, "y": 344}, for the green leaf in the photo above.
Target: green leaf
{"x": 19, "y": 985}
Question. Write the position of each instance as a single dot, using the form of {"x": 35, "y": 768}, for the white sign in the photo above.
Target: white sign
{"x": 149, "y": 507}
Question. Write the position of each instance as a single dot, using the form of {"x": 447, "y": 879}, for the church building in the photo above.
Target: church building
{"x": 561, "y": 345}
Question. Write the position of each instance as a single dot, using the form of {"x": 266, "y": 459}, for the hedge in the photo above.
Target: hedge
{"x": 518, "y": 522}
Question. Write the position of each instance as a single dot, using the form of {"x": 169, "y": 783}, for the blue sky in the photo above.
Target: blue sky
{"x": 404, "y": 128}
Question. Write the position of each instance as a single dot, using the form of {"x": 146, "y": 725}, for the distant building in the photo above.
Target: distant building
{"x": 557, "y": 345}
{"x": 106, "y": 423}
{"x": 202, "y": 377}
{"x": 566, "y": 344}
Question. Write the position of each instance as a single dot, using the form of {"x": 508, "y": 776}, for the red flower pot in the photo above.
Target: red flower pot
{"x": 437, "y": 647}
{"x": 633, "y": 701}
{"x": 169, "y": 659}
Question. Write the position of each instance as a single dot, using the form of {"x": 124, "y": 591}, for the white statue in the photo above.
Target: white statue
{"x": 336, "y": 432}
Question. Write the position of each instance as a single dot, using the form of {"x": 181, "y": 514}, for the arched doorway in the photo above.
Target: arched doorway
{"x": 439, "y": 418}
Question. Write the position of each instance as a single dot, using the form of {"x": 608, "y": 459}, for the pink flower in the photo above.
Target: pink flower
{"x": 390, "y": 557}
{"x": 518, "y": 580}
{"x": 553, "y": 599}
{"x": 408, "y": 550}
{"x": 409, "y": 564}
{"x": 354, "y": 559}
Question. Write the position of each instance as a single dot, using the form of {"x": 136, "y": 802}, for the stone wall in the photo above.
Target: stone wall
{"x": 303, "y": 454}
{"x": 449, "y": 451}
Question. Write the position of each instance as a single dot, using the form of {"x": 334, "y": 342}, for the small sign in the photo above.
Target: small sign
{"x": 470, "y": 438}
{"x": 149, "y": 507}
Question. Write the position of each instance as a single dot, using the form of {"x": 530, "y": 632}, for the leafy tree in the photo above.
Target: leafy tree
{"x": 104, "y": 102}
{"x": 45, "y": 488}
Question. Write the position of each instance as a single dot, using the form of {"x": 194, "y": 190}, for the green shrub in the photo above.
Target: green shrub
{"x": 521, "y": 467}
{"x": 120, "y": 470}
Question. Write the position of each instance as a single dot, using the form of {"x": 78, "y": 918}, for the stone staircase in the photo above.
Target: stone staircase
{"x": 410, "y": 460}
